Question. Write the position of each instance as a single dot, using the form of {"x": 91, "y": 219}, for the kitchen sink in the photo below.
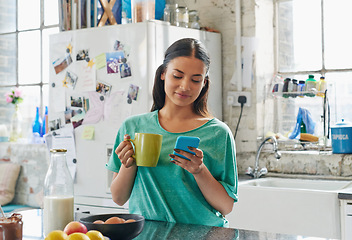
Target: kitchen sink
{"x": 307, "y": 207}
{"x": 303, "y": 184}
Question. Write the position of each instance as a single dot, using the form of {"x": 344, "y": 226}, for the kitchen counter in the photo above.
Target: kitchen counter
{"x": 156, "y": 230}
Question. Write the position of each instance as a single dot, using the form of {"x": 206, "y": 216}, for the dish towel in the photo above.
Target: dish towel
{"x": 305, "y": 117}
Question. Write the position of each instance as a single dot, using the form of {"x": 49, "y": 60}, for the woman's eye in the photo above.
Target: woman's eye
{"x": 197, "y": 80}
{"x": 177, "y": 77}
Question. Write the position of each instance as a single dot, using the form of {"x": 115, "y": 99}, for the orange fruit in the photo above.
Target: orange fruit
{"x": 98, "y": 222}
{"x": 130, "y": 220}
{"x": 78, "y": 236}
{"x": 114, "y": 220}
{"x": 56, "y": 235}
{"x": 95, "y": 235}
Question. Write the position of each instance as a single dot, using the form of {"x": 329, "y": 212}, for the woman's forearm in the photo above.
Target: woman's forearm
{"x": 122, "y": 184}
{"x": 214, "y": 192}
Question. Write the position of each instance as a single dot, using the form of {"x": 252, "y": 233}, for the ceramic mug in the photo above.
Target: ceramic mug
{"x": 147, "y": 147}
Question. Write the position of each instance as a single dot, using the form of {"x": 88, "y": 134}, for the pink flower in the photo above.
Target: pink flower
{"x": 9, "y": 99}
{"x": 17, "y": 92}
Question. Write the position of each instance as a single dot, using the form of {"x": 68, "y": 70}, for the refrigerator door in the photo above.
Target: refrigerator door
{"x": 143, "y": 46}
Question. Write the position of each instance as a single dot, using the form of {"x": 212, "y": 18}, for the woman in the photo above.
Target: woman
{"x": 200, "y": 191}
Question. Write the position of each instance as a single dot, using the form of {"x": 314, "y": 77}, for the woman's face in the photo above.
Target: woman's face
{"x": 184, "y": 79}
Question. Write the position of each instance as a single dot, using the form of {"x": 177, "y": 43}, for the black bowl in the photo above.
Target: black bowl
{"x": 119, "y": 231}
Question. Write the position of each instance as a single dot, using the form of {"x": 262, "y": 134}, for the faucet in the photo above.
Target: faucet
{"x": 256, "y": 173}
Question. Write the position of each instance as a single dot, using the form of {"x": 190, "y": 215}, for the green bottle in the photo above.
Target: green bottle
{"x": 311, "y": 86}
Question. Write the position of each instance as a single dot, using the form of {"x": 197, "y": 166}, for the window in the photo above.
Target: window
{"x": 313, "y": 37}
{"x": 25, "y": 26}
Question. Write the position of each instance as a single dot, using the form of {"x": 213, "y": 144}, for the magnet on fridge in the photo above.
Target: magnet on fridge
{"x": 53, "y": 84}
{"x": 101, "y": 98}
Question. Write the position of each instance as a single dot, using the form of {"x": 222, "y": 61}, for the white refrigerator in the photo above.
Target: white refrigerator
{"x": 98, "y": 77}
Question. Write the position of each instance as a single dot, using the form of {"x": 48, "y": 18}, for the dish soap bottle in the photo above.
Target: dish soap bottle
{"x": 321, "y": 85}
{"x": 58, "y": 193}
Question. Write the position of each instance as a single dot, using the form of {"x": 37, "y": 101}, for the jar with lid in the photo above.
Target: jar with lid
{"x": 169, "y": 13}
{"x": 58, "y": 208}
{"x": 181, "y": 16}
{"x": 193, "y": 19}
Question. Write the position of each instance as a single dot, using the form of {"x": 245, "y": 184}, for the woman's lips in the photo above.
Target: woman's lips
{"x": 180, "y": 95}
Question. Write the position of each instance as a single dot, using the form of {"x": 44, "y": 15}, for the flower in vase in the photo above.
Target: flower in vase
{"x": 14, "y": 96}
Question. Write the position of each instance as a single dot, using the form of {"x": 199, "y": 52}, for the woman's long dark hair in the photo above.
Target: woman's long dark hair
{"x": 186, "y": 47}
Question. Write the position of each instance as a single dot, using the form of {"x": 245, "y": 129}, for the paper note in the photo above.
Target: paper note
{"x": 88, "y": 133}
{"x": 86, "y": 77}
{"x": 100, "y": 61}
{"x": 64, "y": 138}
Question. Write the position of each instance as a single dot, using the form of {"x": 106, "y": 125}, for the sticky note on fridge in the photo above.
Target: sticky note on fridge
{"x": 88, "y": 133}
{"x": 100, "y": 61}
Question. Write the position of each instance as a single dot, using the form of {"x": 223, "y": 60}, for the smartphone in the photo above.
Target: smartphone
{"x": 183, "y": 142}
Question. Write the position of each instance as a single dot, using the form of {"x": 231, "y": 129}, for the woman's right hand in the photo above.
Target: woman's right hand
{"x": 125, "y": 151}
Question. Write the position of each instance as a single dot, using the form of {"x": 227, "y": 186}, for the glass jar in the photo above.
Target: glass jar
{"x": 181, "y": 16}
{"x": 169, "y": 13}
{"x": 193, "y": 19}
{"x": 142, "y": 10}
{"x": 58, "y": 193}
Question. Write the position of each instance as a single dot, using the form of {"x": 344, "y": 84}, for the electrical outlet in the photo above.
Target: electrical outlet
{"x": 232, "y": 98}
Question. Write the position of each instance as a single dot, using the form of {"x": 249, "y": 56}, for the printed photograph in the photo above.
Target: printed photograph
{"x": 133, "y": 92}
{"x": 103, "y": 88}
{"x": 71, "y": 79}
{"x": 62, "y": 63}
{"x": 125, "y": 69}
{"x": 113, "y": 60}
{"x": 82, "y": 55}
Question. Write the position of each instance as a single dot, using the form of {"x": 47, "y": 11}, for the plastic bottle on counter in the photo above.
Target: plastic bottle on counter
{"x": 321, "y": 86}
{"x": 58, "y": 208}
{"x": 311, "y": 86}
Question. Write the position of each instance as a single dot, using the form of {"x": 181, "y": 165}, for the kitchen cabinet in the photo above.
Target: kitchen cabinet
{"x": 346, "y": 219}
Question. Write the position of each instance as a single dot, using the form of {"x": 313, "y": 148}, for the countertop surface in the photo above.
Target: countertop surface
{"x": 156, "y": 230}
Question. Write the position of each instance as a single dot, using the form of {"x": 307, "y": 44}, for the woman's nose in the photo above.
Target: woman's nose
{"x": 185, "y": 84}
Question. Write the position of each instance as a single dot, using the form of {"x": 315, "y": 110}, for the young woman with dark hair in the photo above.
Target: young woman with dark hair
{"x": 200, "y": 191}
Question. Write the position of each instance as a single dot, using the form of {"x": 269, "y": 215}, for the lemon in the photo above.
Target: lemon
{"x": 56, "y": 235}
{"x": 95, "y": 235}
{"x": 78, "y": 236}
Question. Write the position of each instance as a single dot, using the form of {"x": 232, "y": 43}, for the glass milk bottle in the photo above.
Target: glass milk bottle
{"x": 58, "y": 193}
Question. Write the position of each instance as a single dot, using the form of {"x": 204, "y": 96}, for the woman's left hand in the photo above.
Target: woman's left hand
{"x": 194, "y": 165}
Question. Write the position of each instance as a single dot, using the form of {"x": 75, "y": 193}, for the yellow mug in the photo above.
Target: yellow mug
{"x": 147, "y": 147}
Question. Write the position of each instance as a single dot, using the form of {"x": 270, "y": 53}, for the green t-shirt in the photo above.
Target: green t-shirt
{"x": 169, "y": 193}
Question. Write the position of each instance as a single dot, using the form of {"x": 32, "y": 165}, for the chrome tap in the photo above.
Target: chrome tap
{"x": 256, "y": 173}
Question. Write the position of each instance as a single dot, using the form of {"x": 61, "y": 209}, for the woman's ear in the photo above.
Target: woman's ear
{"x": 162, "y": 76}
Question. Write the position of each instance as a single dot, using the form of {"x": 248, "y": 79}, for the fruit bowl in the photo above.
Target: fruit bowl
{"x": 128, "y": 230}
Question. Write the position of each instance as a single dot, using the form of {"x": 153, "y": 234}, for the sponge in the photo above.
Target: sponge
{"x": 308, "y": 137}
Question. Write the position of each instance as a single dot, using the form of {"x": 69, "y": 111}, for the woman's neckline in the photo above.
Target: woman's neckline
{"x": 188, "y": 131}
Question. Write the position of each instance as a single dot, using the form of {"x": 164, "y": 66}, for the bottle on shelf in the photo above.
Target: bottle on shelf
{"x": 311, "y": 85}
{"x": 294, "y": 87}
{"x": 287, "y": 87}
{"x": 58, "y": 208}
{"x": 181, "y": 16}
{"x": 37, "y": 123}
{"x": 321, "y": 86}
{"x": 45, "y": 123}
{"x": 301, "y": 87}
